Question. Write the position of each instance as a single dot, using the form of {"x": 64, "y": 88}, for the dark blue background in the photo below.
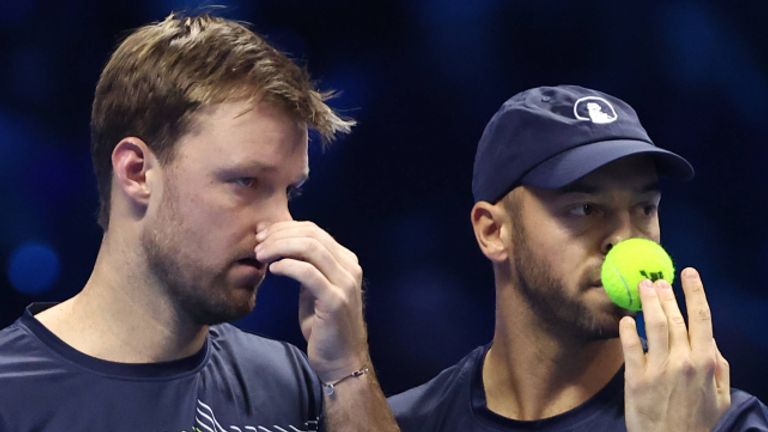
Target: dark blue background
{"x": 422, "y": 78}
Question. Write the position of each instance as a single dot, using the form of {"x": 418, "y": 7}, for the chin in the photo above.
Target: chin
{"x": 605, "y": 324}
{"x": 233, "y": 304}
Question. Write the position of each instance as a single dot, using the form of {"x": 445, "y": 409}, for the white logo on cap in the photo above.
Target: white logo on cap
{"x": 594, "y": 109}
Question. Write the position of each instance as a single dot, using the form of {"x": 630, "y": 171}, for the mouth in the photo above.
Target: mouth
{"x": 251, "y": 262}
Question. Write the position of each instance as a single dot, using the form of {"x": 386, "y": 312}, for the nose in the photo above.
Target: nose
{"x": 277, "y": 209}
{"x": 619, "y": 228}
{"x": 283, "y": 214}
{"x": 265, "y": 213}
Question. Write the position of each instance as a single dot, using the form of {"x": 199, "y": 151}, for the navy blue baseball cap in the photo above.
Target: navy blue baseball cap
{"x": 549, "y": 137}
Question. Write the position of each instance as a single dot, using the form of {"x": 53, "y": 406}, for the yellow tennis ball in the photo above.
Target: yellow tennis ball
{"x": 629, "y": 262}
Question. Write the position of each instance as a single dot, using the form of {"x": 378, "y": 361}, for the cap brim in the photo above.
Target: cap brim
{"x": 573, "y": 164}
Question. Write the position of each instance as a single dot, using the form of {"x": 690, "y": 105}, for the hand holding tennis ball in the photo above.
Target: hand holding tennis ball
{"x": 628, "y": 263}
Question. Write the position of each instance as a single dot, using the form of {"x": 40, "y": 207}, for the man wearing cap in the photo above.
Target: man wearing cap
{"x": 561, "y": 175}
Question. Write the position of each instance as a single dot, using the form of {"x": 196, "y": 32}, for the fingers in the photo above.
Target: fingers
{"x": 656, "y": 327}
{"x": 305, "y": 241}
{"x": 699, "y": 315}
{"x": 305, "y": 229}
{"x": 683, "y": 382}
{"x": 662, "y": 314}
{"x": 678, "y": 333}
{"x": 308, "y": 276}
{"x": 305, "y": 249}
{"x": 722, "y": 374}
{"x": 634, "y": 357}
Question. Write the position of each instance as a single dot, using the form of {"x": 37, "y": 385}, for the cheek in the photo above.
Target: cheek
{"x": 206, "y": 224}
{"x": 567, "y": 256}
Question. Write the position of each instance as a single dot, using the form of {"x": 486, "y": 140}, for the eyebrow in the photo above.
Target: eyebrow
{"x": 254, "y": 165}
{"x": 586, "y": 188}
{"x": 258, "y": 166}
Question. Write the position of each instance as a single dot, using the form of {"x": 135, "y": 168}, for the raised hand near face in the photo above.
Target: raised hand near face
{"x": 330, "y": 307}
{"x": 683, "y": 382}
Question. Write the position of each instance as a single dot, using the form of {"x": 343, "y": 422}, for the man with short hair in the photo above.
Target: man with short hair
{"x": 199, "y": 140}
{"x": 562, "y": 174}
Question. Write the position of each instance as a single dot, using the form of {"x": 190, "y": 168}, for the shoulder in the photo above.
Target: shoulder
{"x": 243, "y": 347}
{"x": 19, "y": 351}
{"x": 11, "y": 335}
{"x": 226, "y": 338}
{"x": 746, "y": 413}
{"x": 417, "y": 408}
{"x": 26, "y": 364}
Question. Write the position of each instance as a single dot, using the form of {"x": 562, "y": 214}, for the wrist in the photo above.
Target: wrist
{"x": 329, "y": 388}
{"x": 332, "y": 371}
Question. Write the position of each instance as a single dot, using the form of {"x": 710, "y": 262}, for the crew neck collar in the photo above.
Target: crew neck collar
{"x": 160, "y": 370}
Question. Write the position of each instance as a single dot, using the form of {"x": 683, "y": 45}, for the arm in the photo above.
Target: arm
{"x": 331, "y": 318}
{"x": 682, "y": 382}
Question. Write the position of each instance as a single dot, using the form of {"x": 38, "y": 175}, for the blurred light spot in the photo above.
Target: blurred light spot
{"x": 33, "y": 268}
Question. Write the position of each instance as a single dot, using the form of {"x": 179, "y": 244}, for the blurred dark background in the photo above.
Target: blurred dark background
{"x": 422, "y": 78}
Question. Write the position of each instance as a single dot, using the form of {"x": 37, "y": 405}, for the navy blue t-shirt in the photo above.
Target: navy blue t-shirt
{"x": 237, "y": 382}
{"x": 455, "y": 401}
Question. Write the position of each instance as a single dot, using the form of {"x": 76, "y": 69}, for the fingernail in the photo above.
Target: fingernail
{"x": 690, "y": 273}
{"x": 662, "y": 284}
{"x": 646, "y": 285}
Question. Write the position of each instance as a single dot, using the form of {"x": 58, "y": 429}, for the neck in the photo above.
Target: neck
{"x": 123, "y": 314}
{"x": 532, "y": 372}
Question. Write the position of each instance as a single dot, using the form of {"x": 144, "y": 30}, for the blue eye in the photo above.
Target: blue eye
{"x": 248, "y": 182}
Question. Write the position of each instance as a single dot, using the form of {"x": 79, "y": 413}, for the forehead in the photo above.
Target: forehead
{"x": 245, "y": 133}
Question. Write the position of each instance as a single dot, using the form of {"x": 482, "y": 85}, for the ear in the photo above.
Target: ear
{"x": 132, "y": 163}
{"x": 491, "y": 232}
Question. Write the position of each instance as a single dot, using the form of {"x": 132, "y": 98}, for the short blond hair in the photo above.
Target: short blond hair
{"x": 165, "y": 72}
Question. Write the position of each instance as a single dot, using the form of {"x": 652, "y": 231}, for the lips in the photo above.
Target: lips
{"x": 251, "y": 262}
{"x": 248, "y": 273}
{"x": 595, "y": 284}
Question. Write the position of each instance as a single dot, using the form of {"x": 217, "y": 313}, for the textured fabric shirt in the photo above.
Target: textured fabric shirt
{"x": 455, "y": 401}
{"x": 237, "y": 382}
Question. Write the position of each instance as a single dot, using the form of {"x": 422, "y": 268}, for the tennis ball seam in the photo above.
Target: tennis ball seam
{"x": 626, "y": 286}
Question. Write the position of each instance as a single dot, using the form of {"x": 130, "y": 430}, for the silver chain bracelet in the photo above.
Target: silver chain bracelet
{"x": 330, "y": 388}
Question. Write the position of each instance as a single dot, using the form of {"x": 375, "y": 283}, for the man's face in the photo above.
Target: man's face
{"x": 560, "y": 238}
{"x": 234, "y": 170}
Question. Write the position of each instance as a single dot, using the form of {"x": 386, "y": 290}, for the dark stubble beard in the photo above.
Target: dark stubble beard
{"x": 546, "y": 296}
{"x": 198, "y": 294}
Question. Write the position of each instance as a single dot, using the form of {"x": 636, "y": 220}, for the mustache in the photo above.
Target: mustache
{"x": 247, "y": 257}
{"x": 591, "y": 278}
